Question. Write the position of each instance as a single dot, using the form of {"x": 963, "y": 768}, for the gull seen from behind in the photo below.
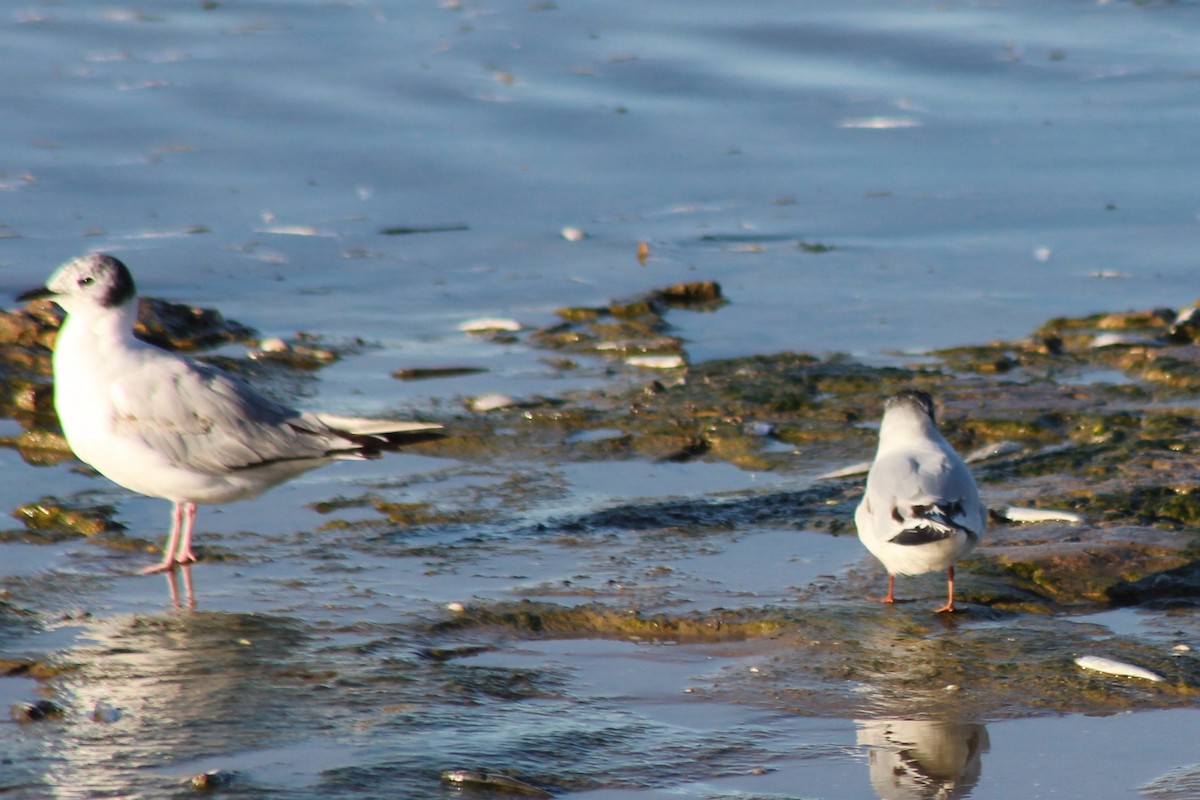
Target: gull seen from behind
{"x": 921, "y": 511}
{"x": 166, "y": 426}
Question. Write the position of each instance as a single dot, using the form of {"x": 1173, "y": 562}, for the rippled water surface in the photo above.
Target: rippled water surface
{"x": 860, "y": 177}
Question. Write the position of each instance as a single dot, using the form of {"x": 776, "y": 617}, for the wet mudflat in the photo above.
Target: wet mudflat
{"x": 510, "y": 608}
{"x": 656, "y": 269}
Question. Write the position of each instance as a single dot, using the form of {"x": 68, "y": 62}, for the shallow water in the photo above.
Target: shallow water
{"x": 969, "y": 170}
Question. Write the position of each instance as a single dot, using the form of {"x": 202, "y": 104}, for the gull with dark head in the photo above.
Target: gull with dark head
{"x": 921, "y": 511}
{"x": 166, "y": 426}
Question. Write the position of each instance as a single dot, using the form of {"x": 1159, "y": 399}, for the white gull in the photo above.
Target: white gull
{"x": 166, "y": 426}
{"x": 921, "y": 511}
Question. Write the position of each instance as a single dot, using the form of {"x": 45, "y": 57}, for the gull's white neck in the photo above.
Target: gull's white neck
{"x": 92, "y": 331}
{"x": 113, "y": 325}
{"x": 901, "y": 426}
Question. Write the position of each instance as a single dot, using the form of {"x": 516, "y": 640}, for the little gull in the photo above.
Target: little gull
{"x": 921, "y": 511}
{"x": 167, "y": 426}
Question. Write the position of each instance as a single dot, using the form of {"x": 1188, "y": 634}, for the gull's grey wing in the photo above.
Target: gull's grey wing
{"x": 206, "y": 420}
{"x": 900, "y": 483}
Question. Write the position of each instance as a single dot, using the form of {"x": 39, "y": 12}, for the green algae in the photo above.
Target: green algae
{"x": 602, "y": 621}
{"x": 916, "y": 664}
{"x": 389, "y": 514}
{"x": 52, "y": 517}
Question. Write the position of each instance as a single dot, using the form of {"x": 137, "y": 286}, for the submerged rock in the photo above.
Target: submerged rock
{"x": 38, "y": 711}
{"x": 213, "y": 780}
{"x": 53, "y": 517}
{"x": 1170, "y": 588}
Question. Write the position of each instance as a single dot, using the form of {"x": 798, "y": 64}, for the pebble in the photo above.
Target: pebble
{"x": 493, "y": 780}
{"x": 573, "y": 234}
{"x": 103, "y": 712}
{"x": 761, "y": 428}
{"x": 273, "y": 345}
{"x": 212, "y": 780}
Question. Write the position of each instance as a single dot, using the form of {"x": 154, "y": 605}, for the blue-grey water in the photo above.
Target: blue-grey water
{"x": 966, "y": 171}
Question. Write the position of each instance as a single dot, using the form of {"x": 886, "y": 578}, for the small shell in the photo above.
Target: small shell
{"x": 656, "y": 362}
{"x": 1022, "y": 514}
{"x": 492, "y": 401}
{"x": 573, "y": 234}
{"x": 293, "y": 230}
{"x": 483, "y": 324}
{"x": 991, "y": 451}
{"x": 1112, "y": 667}
{"x": 103, "y": 712}
{"x": 1121, "y": 340}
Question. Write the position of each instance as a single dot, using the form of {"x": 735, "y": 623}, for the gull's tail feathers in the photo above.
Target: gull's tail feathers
{"x": 930, "y": 523}
{"x": 374, "y": 435}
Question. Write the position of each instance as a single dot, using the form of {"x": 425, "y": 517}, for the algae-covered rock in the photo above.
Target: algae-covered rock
{"x": 629, "y": 327}
{"x": 602, "y": 621}
{"x": 1170, "y": 588}
{"x": 857, "y": 661}
{"x": 54, "y": 518}
{"x": 27, "y": 334}
{"x": 182, "y": 327}
{"x": 1073, "y": 564}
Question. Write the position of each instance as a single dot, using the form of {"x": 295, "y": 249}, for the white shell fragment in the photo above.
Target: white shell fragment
{"x": 861, "y": 468}
{"x": 880, "y": 123}
{"x": 1022, "y": 514}
{"x": 991, "y": 451}
{"x": 273, "y": 345}
{"x": 1112, "y": 667}
{"x": 573, "y": 234}
{"x": 492, "y": 401}
{"x": 293, "y": 230}
{"x": 1121, "y": 340}
{"x": 483, "y": 324}
{"x": 656, "y": 362}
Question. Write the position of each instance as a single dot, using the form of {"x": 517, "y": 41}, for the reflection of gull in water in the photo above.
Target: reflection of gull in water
{"x": 923, "y": 759}
{"x": 152, "y": 696}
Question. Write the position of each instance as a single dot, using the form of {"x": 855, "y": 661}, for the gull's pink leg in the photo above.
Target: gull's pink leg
{"x": 168, "y": 560}
{"x": 949, "y": 607}
{"x": 891, "y": 594}
{"x": 184, "y": 554}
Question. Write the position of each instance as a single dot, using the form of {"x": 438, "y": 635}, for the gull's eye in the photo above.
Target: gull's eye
{"x": 88, "y": 281}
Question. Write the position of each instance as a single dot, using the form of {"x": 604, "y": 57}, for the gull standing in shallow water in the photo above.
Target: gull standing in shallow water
{"x": 921, "y": 511}
{"x": 166, "y": 426}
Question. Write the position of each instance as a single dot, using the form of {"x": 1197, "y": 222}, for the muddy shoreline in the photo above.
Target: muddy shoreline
{"x": 1095, "y": 416}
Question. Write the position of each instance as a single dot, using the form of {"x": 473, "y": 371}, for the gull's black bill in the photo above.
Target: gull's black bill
{"x": 36, "y": 294}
